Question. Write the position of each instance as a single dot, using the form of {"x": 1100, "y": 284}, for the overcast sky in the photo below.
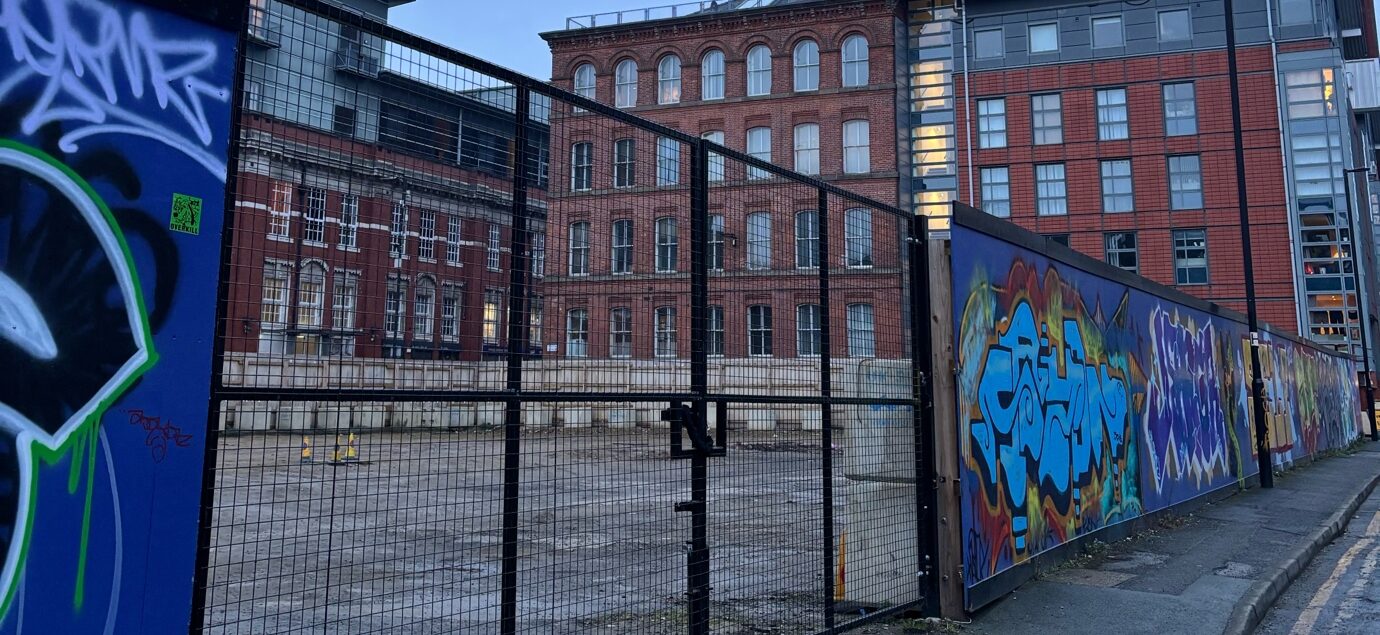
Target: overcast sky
{"x": 502, "y": 31}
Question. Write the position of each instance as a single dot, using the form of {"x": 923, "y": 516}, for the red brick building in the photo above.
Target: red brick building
{"x": 811, "y": 90}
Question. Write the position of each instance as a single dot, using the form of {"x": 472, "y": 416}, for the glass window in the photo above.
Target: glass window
{"x": 1190, "y": 256}
{"x": 311, "y": 296}
{"x": 426, "y": 234}
{"x": 314, "y": 220}
{"x": 665, "y": 331}
{"x": 273, "y": 310}
{"x": 494, "y": 251}
{"x": 625, "y": 84}
{"x": 667, "y": 245}
{"x": 991, "y": 123}
{"x": 493, "y": 315}
{"x": 1051, "y": 194}
{"x": 716, "y": 160}
{"x": 453, "y": 240}
{"x": 344, "y": 298}
{"x": 759, "y": 240}
{"x": 1117, "y": 193}
{"x": 581, "y": 166}
{"x": 536, "y": 315}
{"x": 1121, "y": 250}
{"x": 759, "y": 147}
{"x": 622, "y": 257}
{"x": 807, "y": 239}
{"x": 579, "y": 249}
{"x": 584, "y": 81}
{"x": 989, "y": 43}
{"x": 1062, "y": 239}
{"x": 1295, "y": 11}
{"x": 716, "y": 242}
{"x": 1175, "y": 26}
{"x": 349, "y": 221}
{"x": 423, "y": 309}
{"x": 450, "y": 312}
{"x": 996, "y": 191}
{"x": 857, "y": 232}
{"x": 1106, "y": 32}
{"x": 759, "y": 330}
{"x": 394, "y": 310}
{"x": 624, "y": 163}
{"x": 806, "y": 66}
{"x": 1044, "y": 38}
{"x": 1112, "y": 122}
{"x": 280, "y": 210}
{"x": 807, "y": 148}
{"x": 667, "y": 161}
{"x": 668, "y": 80}
{"x": 855, "y": 53}
{"x": 861, "y": 331}
{"x": 397, "y": 230}
{"x": 714, "y": 331}
{"x": 539, "y": 254}
{"x": 1180, "y": 109}
{"x": 1185, "y": 182}
{"x": 620, "y": 332}
{"x": 712, "y": 75}
{"x": 808, "y": 340}
{"x": 1047, "y": 111}
{"x": 857, "y": 147}
{"x": 759, "y": 70}
{"x": 577, "y": 333}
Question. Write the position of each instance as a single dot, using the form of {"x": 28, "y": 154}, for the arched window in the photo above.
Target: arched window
{"x": 584, "y": 81}
{"x": 806, "y": 66}
{"x": 759, "y": 70}
{"x": 855, "y": 70}
{"x": 668, "y": 80}
{"x": 625, "y": 84}
{"x": 712, "y": 75}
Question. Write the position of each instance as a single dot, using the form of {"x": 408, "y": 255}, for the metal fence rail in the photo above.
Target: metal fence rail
{"x": 497, "y": 358}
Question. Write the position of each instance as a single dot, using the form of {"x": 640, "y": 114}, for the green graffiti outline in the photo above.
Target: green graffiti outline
{"x": 85, "y": 432}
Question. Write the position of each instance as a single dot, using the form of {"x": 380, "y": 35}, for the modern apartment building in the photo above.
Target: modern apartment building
{"x": 1106, "y": 126}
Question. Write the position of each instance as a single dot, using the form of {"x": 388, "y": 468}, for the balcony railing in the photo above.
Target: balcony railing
{"x": 664, "y": 12}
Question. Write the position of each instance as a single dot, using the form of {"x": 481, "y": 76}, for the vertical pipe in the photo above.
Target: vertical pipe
{"x": 922, "y": 387}
{"x": 1262, "y": 432}
{"x": 967, "y": 103}
{"x": 826, "y": 391}
{"x": 219, "y": 333}
{"x": 518, "y": 336}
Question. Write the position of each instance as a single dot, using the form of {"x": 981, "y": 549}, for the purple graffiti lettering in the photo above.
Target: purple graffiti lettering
{"x": 1185, "y": 423}
{"x": 161, "y": 435}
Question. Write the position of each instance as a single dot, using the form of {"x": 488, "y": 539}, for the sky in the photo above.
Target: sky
{"x": 502, "y": 31}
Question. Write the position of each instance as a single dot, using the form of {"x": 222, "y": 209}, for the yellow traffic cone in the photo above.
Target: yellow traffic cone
{"x": 306, "y": 449}
{"x": 352, "y": 448}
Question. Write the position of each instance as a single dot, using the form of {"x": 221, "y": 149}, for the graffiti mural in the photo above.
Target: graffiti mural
{"x": 109, "y": 111}
{"x": 1085, "y": 402}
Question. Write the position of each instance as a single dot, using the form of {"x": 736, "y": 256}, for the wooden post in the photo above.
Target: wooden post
{"x": 946, "y": 434}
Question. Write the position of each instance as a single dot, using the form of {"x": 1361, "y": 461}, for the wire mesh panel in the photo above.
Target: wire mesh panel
{"x": 497, "y": 359}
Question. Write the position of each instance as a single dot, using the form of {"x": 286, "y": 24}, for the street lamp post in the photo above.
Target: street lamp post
{"x": 1361, "y": 316}
{"x": 1262, "y": 431}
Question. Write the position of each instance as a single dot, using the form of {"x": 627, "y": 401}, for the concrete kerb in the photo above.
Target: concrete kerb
{"x": 1253, "y": 606}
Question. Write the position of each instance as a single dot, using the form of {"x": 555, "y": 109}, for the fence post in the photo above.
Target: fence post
{"x": 948, "y": 513}
{"x": 826, "y": 389}
{"x": 518, "y": 335}
{"x": 697, "y": 563}
{"x": 922, "y": 373}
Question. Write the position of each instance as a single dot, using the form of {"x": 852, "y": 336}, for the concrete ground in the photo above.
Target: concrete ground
{"x": 408, "y": 540}
{"x": 1193, "y": 572}
{"x": 1339, "y": 594}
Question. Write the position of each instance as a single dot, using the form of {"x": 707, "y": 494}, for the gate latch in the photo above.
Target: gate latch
{"x": 682, "y": 419}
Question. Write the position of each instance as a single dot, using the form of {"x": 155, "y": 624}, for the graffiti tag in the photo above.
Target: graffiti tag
{"x": 161, "y": 435}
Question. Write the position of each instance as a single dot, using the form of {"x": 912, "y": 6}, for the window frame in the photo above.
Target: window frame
{"x": 1176, "y": 176}
{"x": 581, "y": 249}
{"x": 426, "y": 235}
{"x": 760, "y": 330}
{"x": 809, "y": 334}
{"x": 988, "y": 188}
{"x": 1115, "y": 197}
{"x": 1110, "y": 128}
{"x": 708, "y": 76}
{"x": 1120, "y": 31}
{"x": 624, "y": 163}
{"x": 1178, "y": 120}
{"x": 806, "y": 157}
{"x": 989, "y": 136}
{"x": 1045, "y": 200}
{"x": 858, "y": 231}
{"x": 808, "y": 69}
{"x": 857, "y": 336}
{"x": 1180, "y": 258}
{"x": 667, "y": 162}
{"x": 621, "y": 240}
{"x": 620, "y": 332}
{"x": 590, "y": 90}
{"x": 665, "y": 339}
{"x": 625, "y": 87}
{"x": 1001, "y": 43}
{"x": 854, "y": 67}
{"x": 1112, "y": 254}
{"x": 757, "y": 133}
{"x": 493, "y": 253}
{"x": 759, "y": 76}
{"x": 314, "y": 216}
{"x": 667, "y": 244}
{"x": 577, "y": 317}
{"x": 581, "y": 166}
{"x": 668, "y": 80}
{"x": 759, "y": 248}
{"x": 348, "y": 237}
{"x": 1159, "y": 24}
{"x": 1042, "y": 132}
{"x": 857, "y": 157}
{"x": 807, "y": 239}
{"x": 1030, "y": 38}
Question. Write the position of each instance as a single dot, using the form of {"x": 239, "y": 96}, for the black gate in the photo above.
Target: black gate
{"x": 497, "y": 358}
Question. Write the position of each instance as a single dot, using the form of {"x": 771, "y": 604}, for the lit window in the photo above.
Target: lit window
{"x": 668, "y": 80}
{"x": 806, "y": 66}
{"x": 759, "y": 71}
{"x": 493, "y": 312}
{"x": 855, "y": 64}
{"x": 273, "y": 310}
{"x": 625, "y": 84}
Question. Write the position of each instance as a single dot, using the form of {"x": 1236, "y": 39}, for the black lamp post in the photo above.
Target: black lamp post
{"x": 1360, "y": 297}
{"x": 1262, "y": 431}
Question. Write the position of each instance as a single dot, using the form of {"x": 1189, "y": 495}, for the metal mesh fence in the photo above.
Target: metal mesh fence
{"x": 497, "y": 359}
